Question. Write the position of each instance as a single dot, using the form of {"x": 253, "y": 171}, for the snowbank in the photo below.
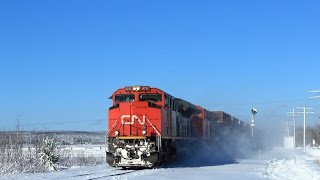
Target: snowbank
{"x": 293, "y": 165}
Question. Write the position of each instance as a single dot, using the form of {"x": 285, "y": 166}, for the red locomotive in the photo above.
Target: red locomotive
{"x": 146, "y": 125}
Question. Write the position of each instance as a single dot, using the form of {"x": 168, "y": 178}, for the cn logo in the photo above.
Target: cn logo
{"x": 125, "y": 119}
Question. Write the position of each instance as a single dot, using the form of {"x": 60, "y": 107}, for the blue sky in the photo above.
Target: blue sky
{"x": 61, "y": 60}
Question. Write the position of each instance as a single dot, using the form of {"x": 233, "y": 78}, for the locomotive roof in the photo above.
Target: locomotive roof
{"x": 181, "y": 102}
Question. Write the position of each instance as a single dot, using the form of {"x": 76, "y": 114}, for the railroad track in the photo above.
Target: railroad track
{"x": 100, "y": 174}
{"x": 112, "y": 175}
{"x": 81, "y": 175}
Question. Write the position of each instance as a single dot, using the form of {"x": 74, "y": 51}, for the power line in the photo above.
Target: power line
{"x": 262, "y": 102}
{"x": 276, "y": 116}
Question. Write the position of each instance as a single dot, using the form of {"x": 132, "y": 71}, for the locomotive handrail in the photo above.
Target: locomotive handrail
{"x": 154, "y": 127}
{"x": 112, "y": 127}
{"x": 159, "y": 135}
{"x": 131, "y": 137}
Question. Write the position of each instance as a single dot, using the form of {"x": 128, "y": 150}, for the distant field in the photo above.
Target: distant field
{"x": 87, "y": 150}
{"x": 60, "y": 137}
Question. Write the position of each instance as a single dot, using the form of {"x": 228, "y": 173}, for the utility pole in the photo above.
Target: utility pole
{"x": 287, "y": 129}
{"x": 294, "y": 115}
{"x": 304, "y": 124}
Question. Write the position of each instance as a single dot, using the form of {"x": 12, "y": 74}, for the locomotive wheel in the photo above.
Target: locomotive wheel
{"x": 153, "y": 158}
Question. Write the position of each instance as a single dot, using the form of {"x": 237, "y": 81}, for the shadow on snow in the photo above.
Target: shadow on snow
{"x": 203, "y": 155}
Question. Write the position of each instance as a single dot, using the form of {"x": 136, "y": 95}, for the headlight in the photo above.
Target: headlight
{"x": 116, "y": 133}
{"x": 136, "y": 88}
{"x": 144, "y": 132}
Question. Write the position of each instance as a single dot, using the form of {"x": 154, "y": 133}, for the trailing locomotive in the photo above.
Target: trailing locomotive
{"x": 146, "y": 125}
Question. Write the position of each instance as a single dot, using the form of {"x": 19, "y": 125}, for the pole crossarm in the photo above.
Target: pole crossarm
{"x": 316, "y": 96}
{"x": 314, "y": 91}
{"x": 305, "y": 108}
{"x": 293, "y": 114}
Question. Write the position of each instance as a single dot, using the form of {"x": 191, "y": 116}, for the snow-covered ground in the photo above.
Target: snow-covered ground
{"x": 92, "y": 150}
{"x": 293, "y": 164}
{"x": 276, "y": 164}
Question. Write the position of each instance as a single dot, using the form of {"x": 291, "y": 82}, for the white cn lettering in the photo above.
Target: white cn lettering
{"x": 125, "y": 119}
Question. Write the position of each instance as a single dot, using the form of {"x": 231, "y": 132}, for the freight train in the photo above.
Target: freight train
{"x": 147, "y": 125}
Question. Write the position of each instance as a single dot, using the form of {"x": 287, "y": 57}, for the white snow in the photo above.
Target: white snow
{"x": 276, "y": 164}
{"x": 92, "y": 150}
{"x": 294, "y": 165}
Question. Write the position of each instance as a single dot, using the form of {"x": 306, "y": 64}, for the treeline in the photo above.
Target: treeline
{"x": 312, "y": 133}
{"x": 61, "y": 137}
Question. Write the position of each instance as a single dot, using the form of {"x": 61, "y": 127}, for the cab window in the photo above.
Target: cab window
{"x": 124, "y": 98}
{"x": 150, "y": 97}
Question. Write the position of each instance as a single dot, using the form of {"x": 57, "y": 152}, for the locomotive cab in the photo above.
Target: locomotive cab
{"x": 133, "y": 138}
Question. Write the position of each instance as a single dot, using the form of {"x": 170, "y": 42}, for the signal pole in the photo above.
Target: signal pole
{"x": 254, "y": 111}
{"x": 304, "y": 124}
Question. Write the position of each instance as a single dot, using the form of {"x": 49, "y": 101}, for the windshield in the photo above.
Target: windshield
{"x": 150, "y": 97}
{"x": 124, "y": 98}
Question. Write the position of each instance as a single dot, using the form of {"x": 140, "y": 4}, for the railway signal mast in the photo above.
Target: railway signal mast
{"x": 254, "y": 111}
